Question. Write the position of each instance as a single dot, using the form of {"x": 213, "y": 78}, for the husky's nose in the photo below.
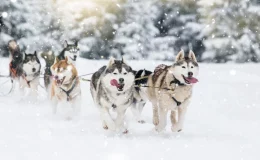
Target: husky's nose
{"x": 56, "y": 77}
{"x": 121, "y": 80}
{"x": 190, "y": 74}
{"x": 75, "y": 57}
{"x": 33, "y": 69}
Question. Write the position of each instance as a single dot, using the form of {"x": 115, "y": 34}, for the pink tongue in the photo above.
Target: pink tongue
{"x": 192, "y": 80}
{"x": 113, "y": 82}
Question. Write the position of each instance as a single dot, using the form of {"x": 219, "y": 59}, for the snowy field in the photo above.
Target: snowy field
{"x": 222, "y": 123}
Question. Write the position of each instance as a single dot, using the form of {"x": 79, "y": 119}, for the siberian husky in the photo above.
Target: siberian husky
{"x": 71, "y": 51}
{"x": 49, "y": 58}
{"x": 141, "y": 79}
{"x": 112, "y": 89}
{"x": 65, "y": 88}
{"x": 31, "y": 73}
{"x": 170, "y": 89}
{"x": 16, "y": 61}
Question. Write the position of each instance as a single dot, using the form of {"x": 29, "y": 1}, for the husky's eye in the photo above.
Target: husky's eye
{"x": 115, "y": 73}
{"x": 125, "y": 73}
{"x": 191, "y": 66}
{"x": 183, "y": 67}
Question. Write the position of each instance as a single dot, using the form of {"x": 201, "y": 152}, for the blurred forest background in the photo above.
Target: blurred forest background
{"x": 217, "y": 31}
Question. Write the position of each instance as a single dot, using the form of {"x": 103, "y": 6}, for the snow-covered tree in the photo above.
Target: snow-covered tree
{"x": 232, "y": 31}
{"x": 35, "y": 28}
{"x": 178, "y": 22}
{"x": 93, "y": 23}
{"x": 135, "y": 34}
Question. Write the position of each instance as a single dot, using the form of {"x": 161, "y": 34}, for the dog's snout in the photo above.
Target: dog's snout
{"x": 33, "y": 69}
{"x": 190, "y": 74}
{"x": 75, "y": 56}
{"x": 121, "y": 80}
{"x": 56, "y": 77}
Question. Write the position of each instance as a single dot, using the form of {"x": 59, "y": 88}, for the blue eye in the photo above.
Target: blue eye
{"x": 183, "y": 67}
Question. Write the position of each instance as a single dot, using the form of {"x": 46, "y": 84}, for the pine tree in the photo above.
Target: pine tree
{"x": 179, "y": 22}
{"x": 232, "y": 32}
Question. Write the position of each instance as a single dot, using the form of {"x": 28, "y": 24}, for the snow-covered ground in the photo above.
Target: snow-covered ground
{"x": 223, "y": 123}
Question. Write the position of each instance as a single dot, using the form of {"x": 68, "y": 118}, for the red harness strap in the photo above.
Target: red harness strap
{"x": 12, "y": 70}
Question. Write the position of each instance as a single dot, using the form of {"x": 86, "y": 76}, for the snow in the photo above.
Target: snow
{"x": 222, "y": 122}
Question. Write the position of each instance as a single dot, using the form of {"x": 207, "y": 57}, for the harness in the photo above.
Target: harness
{"x": 24, "y": 75}
{"x": 176, "y": 82}
{"x": 70, "y": 90}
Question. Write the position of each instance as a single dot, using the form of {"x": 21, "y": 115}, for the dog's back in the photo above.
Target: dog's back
{"x": 16, "y": 60}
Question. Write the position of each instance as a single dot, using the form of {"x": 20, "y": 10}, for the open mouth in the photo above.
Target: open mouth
{"x": 120, "y": 87}
{"x": 190, "y": 80}
{"x": 60, "y": 81}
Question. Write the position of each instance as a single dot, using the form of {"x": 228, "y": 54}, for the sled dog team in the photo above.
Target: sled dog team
{"x": 115, "y": 87}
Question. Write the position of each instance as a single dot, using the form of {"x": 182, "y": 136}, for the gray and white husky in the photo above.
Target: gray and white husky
{"x": 170, "y": 89}
{"x": 31, "y": 73}
{"x": 71, "y": 51}
{"x": 112, "y": 89}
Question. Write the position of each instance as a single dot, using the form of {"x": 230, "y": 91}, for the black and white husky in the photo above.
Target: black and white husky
{"x": 31, "y": 73}
{"x": 71, "y": 51}
{"x": 141, "y": 77}
{"x": 112, "y": 87}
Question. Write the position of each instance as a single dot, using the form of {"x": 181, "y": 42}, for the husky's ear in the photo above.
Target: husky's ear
{"x": 179, "y": 56}
{"x": 111, "y": 61}
{"x": 56, "y": 60}
{"x": 123, "y": 60}
{"x": 35, "y": 53}
{"x": 66, "y": 59}
{"x": 192, "y": 56}
{"x": 76, "y": 43}
{"x": 65, "y": 45}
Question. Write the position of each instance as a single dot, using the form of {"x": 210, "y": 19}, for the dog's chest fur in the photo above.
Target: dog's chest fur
{"x": 62, "y": 96}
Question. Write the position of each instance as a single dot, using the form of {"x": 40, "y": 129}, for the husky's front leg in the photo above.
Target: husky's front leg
{"x": 107, "y": 121}
{"x": 181, "y": 116}
{"x": 162, "y": 119}
{"x": 120, "y": 120}
{"x": 76, "y": 105}
{"x": 54, "y": 105}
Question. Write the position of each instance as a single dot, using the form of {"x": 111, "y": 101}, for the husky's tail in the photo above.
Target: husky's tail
{"x": 141, "y": 76}
{"x": 13, "y": 47}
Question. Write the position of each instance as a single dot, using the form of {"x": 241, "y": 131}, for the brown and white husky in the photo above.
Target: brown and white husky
{"x": 170, "y": 89}
{"x": 65, "y": 86}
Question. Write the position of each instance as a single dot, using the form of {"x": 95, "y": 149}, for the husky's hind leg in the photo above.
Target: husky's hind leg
{"x": 137, "y": 111}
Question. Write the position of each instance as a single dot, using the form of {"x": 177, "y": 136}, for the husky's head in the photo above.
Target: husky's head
{"x": 63, "y": 72}
{"x": 15, "y": 51}
{"x": 71, "y": 51}
{"x": 49, "y": 58}
{"x": 119, "y": 77}
{"x": 31, "y": 63}
{"x": 186, "y": 69}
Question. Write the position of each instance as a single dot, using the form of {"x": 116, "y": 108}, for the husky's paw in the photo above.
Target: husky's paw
{"x": 111, "y": 126}
{"x": 155, "y": 121}
{"x": 176, "y": 128}
{"x": 105, "y": 127}
{"x": 159, "y": 129}
{"x": 125, "y": 131}
{"x": 141, "y": 121}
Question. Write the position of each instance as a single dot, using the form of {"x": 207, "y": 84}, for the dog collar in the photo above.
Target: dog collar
{"x": 176, "y": 81}
{"x": 70, "y": 90}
